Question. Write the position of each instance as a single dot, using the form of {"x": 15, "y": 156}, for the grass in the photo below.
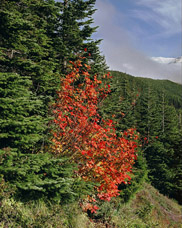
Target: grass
{"x": 149, "y": 209}
{"x": 38, "y": 214}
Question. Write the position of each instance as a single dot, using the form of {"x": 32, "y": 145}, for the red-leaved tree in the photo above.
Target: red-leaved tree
{"x": 88, "y": 140}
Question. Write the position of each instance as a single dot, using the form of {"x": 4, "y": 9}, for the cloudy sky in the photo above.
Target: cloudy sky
{"x": 133, "y": 31}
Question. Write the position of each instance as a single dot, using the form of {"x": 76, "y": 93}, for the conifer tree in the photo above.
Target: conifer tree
{"x": 160, "y": 154}
{"x": 74, "y": 32}
{"x": 177, "y": 169}
{"x": 120, "y": 103}
{"x": 120, "y": 106}
{"x": 26, "y": 49}
{"x": 26, "y": 46}
{"x": 146, "y": 113}
{"x": 36, "y": 38}
{"x": 21, "y": 121}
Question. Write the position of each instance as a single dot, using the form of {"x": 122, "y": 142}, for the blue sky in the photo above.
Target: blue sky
{"x": 133, "y": 31}
{"x": 155, "y": 22}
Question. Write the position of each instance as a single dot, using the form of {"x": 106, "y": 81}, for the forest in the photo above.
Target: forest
{"x": 81, "y": 146}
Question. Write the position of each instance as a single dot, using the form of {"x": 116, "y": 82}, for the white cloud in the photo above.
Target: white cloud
{"x": 166, "y": 13}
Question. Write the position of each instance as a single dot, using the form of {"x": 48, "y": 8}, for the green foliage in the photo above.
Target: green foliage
{"x": 42, "y": 176}
{"x": 154, "y": 108}
{"x": 29, "y": 80}
{"x": 22, "y": 125}
{"x": 177, "y": 169}
{"x": 160, "y": 172}
{"x": 37, "y": 37}
{"x": 73, "y": 35}
{"x": 39, "y": 214}
{"x": 26, "y": 44}
{"x": 171, "y": 89}
{"x": 119, "y": 106}
{"x": 139, "y": 177}
{"x": 148, "y": 209}
{"x": 161, "y": 155}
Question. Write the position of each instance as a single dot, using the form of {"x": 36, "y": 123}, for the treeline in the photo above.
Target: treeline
{"x": 154, "y": 107}
{"x": 38, "y": 38}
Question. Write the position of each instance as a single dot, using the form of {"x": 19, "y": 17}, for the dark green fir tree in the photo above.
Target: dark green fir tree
{"x": 21, "y": 121}
{"x": 74, "y": 35}
{"x": 26, "y": 46}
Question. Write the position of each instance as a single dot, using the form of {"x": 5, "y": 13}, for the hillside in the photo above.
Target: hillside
{"x": 147, "y": 209}
{"x": 172, "y": 90}
{"x": 154, "y": 108}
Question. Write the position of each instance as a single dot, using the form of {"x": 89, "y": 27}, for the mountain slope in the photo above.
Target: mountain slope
{"x": 172, "y": 90}
{"x": 154, "y": 109}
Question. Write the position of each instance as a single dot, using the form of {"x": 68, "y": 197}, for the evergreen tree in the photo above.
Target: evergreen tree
{"x": 36, "y": 38}
{"x": 160, "y": 154}
{"x": 36, "y": 176}
{"x": 140, "y": 173}
{"x": 26, "y": 47}
{"x": 157, "y": 117}
{"x": 147, "y": 114}
{"x": 21, "y": 121}
{"x": 177, "y": 169}
{"x": 73, "y": 35}
{"x": 120, "y": 105}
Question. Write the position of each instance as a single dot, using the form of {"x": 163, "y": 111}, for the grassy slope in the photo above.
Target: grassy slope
{"x": 151, "y": 209}
{"x": 148, "y": 209}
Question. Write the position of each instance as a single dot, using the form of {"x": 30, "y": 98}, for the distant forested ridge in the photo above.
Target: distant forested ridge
{"x": 154, "y": 107}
